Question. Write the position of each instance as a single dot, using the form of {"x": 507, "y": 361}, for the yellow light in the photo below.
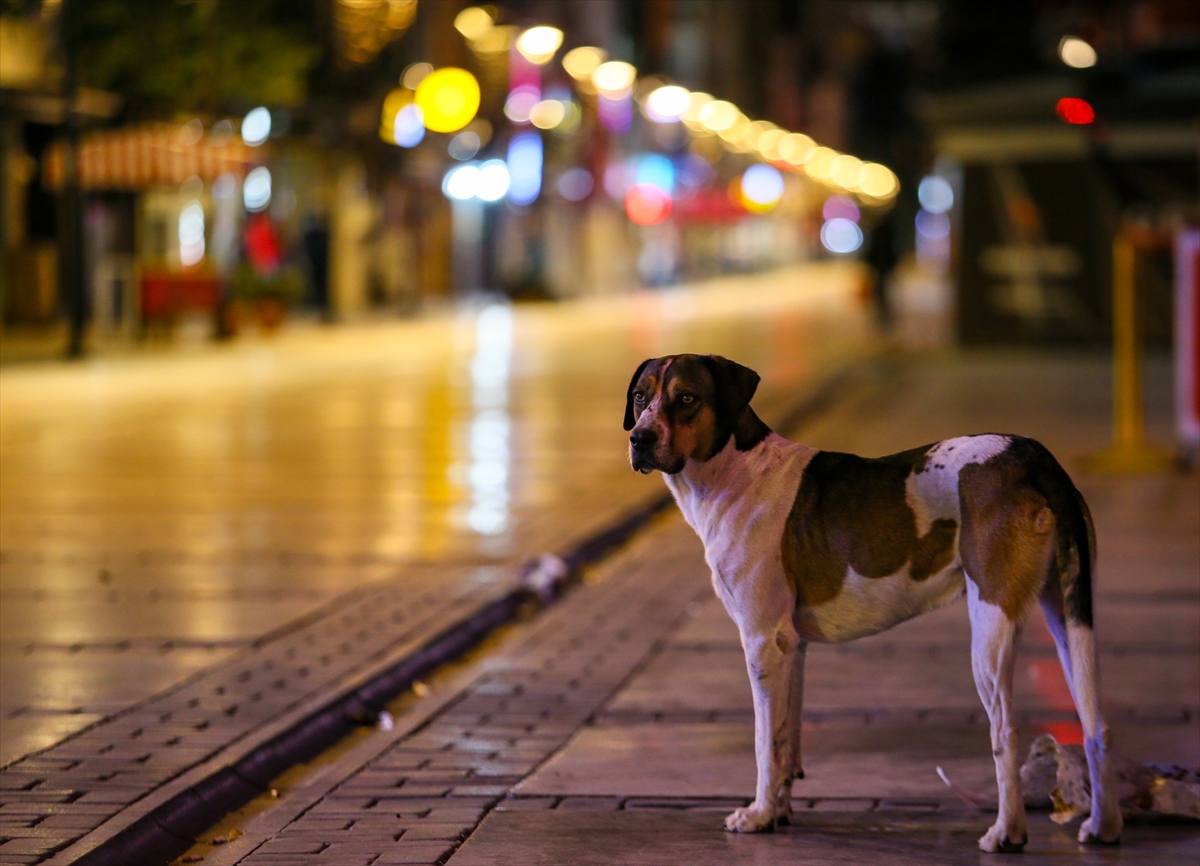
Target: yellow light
{"x": 877, "y": 180}
{"x": 615, "y": 78}
{"x": 1076, "y": 53}
{"x": 768, "y": 144}
{"x": 696, "y": 102}
{"x": 580, "y": 63}
{"x": 547, "y": 114}
{"x": 449, "y": 97}
{"x": 392, "y": 104}
{"x": 796, "y": 148}
{"x": 752, "y": 135}
{"x": 473, "y": 22}
{"x": 539, "y": 44}
{"x": 719, "y": 115}
{"x": 844, "y": 171}
{"x": 819, "y": 161}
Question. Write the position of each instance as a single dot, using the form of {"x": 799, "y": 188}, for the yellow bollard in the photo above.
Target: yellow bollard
{"x": 1129, "y": 452}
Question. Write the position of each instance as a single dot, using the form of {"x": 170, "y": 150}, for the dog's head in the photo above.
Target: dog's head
{"x": 683, "y": 407}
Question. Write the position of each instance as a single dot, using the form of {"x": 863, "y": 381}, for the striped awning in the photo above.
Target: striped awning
{"x": 134, "y": 158}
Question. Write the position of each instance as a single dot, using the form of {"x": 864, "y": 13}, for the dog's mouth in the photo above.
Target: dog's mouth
{"x": 641, "y": 461}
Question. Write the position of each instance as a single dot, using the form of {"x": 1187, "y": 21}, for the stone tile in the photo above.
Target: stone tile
{"x": 683, "y": 838}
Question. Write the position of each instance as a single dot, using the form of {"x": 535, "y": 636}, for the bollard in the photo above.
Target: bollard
{"x": 1129, "y": 452}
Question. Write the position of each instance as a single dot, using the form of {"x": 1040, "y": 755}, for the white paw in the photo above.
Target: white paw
{"x": 1095, "y": 831}
{"x": 1001, "y": 840}
{"x": 750, "y": 819}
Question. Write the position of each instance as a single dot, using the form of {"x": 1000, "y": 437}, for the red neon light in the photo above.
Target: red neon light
{"x": 1074, "y": 110}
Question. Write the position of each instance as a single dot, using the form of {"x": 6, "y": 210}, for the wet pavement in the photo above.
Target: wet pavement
{"x": 616, "y": 728}
{"x": 197, "y": 549}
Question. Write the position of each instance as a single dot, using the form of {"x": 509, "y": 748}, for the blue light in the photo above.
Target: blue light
{"x": 409, "y": 126}
{"x": 840, "y": 235}
{"x": 762, "y": 184}
{"x": 656, "y": 170}
{"x": 525, "y": 167}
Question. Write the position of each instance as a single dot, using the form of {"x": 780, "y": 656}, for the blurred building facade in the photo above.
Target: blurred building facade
{"x": 187, "y": 218}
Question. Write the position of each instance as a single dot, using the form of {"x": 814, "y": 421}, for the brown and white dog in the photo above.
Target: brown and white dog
{"x": 807, "y": 545}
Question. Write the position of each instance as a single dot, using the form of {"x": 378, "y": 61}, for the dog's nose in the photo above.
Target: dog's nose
{"x": 642, "y": 438}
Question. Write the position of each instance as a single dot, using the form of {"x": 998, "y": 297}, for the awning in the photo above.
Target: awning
{"x": 134, "y": 158}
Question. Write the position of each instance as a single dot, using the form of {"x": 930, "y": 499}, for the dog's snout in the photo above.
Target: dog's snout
{"x": 642, "y": 438}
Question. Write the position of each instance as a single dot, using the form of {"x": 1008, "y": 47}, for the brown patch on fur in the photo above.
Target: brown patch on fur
{"x": 1007, "y": 534}
{"x": 853, "y": 512}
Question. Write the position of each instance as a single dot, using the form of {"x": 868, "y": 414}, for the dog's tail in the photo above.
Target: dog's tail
{"x": 1075, "y": 542}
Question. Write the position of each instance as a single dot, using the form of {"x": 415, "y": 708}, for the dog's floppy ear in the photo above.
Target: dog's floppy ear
{"x": 637, "y": 374}
{"x": 735, "y": 386}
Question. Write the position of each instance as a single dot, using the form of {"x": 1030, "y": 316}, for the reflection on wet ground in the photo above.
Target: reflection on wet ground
{"x": 157, "y": 513}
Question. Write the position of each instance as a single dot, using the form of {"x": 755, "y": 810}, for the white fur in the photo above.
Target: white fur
{"x": 738, "y": 503}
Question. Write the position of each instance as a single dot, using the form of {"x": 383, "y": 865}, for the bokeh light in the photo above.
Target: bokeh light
{"x": 409, "y": 127}
{"x": 492, "y": 183}
{"x": 576, "y": 184}
{"x": 464, "y": 145}
{"x": 668, "y": 104}
{"x": 525, "y": 168}
{"x": 843, "y": 170}
{"x": 256, "y": 126}
{"x": 935, "y": 194}
{"x": 449, "y": 98}
{"x": 841, "y": 236}
{"x": 656, "y": 170}
{"x": 719, "y": 115}
{"x": 819, "y": 162}
{"x": 647, "y": 205}
{"x": 520, "y": 102}
{"x": 1075, "y": 110}
{"x": 762, "y": 187}
{"x": 538, "y": 45}
{"x": 547, "y": 114}
{"x": 461, "y": 182}
{"x": 614, "y": 79}
{"x": 256, "y": 189}
{"x": 1076, "y": 53}
{"x": 877, "y": 180}
{"x": 796, "y": 148}
{"x": 580, "y": 63}
{"x": 415, "y": 73}
{"x": 840, "y": 207}
{"x": 191, "y": 234}
{"x": 473, "y": 22}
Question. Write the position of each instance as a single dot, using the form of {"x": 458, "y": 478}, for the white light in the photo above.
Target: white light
{"x": 1076, "y": 53}
{"x": 191, "y": 234}
{"x": 256, "y": 126}
{"x": 538, "y": 44}
{"x": 493, "y": 180}
{"x": 935, "y": 194}
{"x": 614, "y": 78}
{"x": 840, "y": 235}
{"x": 762, "y": 184}
{"x": 409, "y": 126}
{"x": 520, "y": 102}
{"x": 256, "y": 190}
{"x": 668, "y": 104}
{"x": 461, "y": 182}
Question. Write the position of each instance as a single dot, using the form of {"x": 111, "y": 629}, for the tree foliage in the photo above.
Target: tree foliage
{"x": 171, "y": 56}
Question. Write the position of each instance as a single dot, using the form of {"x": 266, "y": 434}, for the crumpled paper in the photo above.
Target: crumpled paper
{"x": 1055, "y": 776}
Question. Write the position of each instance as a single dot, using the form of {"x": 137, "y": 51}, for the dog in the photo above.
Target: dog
{"x": 807, "y": 545}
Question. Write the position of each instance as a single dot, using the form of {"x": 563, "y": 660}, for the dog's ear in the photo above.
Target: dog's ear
{"x": 735, "y": 386}
{"x": 637, "y": 374}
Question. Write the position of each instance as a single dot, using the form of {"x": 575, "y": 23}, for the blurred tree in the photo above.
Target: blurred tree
{"x": 169, "y": 56}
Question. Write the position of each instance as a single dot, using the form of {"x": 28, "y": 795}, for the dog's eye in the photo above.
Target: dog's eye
{"x": 639, "y": 397}
{"x": 687, "y": 399}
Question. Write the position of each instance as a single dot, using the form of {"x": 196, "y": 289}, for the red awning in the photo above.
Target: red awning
{"x": 135, "y": 158}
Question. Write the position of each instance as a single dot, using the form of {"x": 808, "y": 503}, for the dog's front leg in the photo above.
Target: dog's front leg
{"x": 770, "y": 659}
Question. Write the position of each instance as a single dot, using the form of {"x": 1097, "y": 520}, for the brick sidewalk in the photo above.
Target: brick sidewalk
{"x": 616, "y": 728}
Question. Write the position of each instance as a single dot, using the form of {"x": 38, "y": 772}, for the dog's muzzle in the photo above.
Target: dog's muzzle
{"x": 641, "y": 451}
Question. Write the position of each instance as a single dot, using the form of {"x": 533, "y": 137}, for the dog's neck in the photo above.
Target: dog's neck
{"x": 707, "y": 491}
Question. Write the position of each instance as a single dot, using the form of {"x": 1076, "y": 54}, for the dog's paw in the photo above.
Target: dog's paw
{"x": 997, "y": 840}
{"x": 1094, "y": 831}
{"x": 750, "y": 819}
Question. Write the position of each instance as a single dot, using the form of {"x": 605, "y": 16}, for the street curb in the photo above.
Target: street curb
{"x": 169, "y": 829}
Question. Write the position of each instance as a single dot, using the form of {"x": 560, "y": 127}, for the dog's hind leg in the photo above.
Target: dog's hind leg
{"x": 993, "y": 650}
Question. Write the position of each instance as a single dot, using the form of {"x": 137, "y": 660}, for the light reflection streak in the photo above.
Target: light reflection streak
{"x": 490, "y": 424}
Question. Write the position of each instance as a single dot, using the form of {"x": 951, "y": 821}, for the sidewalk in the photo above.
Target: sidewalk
{"x": 617, "y": 728}
{"x": 199, "y": 551}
